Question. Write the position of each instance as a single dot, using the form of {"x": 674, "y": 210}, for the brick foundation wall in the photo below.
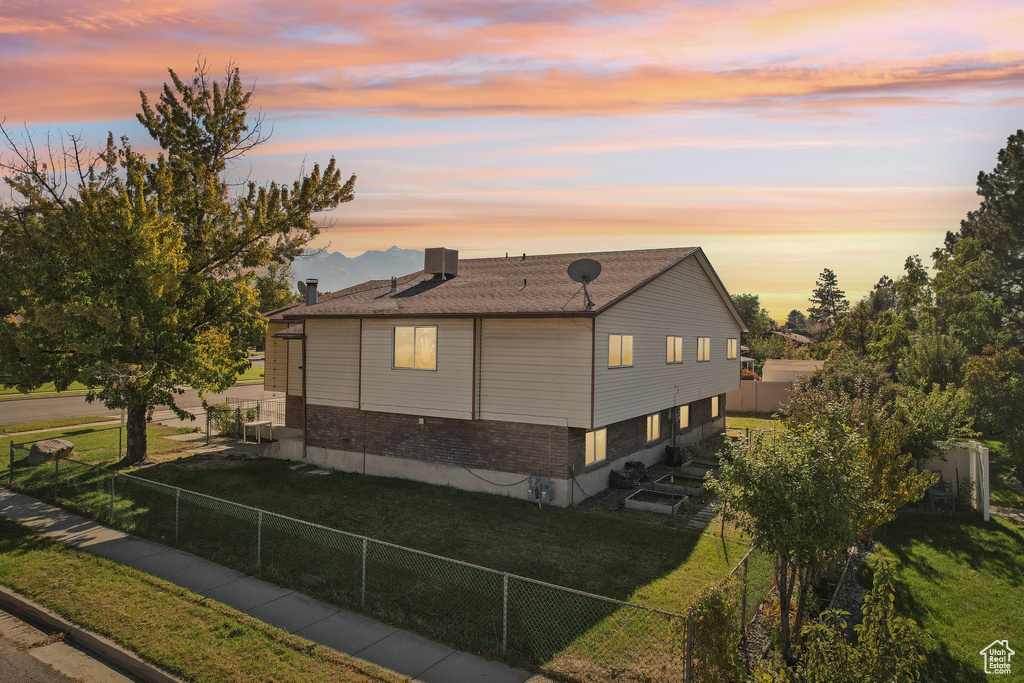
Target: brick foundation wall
{"x": 485, "y": 444}
{"x": 293, "y": 406}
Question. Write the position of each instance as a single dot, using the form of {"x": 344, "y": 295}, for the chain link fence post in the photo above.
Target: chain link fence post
{"x": 208, "y": 426}
{"x": 259, "y": 540}
{"x": 120, "y": 434}
{"x": 363, "y": 598}
{"x": 177, "y": 512}
{"x": 743, "y": 612}
{"x": 689, "y": 645}
{"x": 56, "y": 477}
{"x": 112, "y": 477}
{"x": 10, "y": 474}
{"x": 504, "y": 613}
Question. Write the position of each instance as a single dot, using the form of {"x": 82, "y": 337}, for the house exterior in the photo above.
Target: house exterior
{"x": 479, "y": 373}
{"x": 776, "y": 370}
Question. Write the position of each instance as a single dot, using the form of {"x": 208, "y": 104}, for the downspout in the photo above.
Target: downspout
{"x": 593, "y": 361}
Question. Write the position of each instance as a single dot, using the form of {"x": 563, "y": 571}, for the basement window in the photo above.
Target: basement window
{"x": 673, "y": 349}
{"x": 597, "y": 445}
{"x": 415, "y": 348}
{"x": 703, "y": 349}
{"x": 653, "y": 427}
{"x": 684, "y": 416}
{"x": 620, "y": 350}
{"x": 731, "y": 348}
{"x": 714, "y": 407}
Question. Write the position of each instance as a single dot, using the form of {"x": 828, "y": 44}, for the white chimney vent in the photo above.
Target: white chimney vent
{"x": 441, "y": 262}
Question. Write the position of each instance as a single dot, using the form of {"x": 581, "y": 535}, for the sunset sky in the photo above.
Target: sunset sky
{"x": 783, "y": 136}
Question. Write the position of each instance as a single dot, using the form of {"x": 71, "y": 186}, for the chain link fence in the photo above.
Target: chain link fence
{"x": 566, "y": 633}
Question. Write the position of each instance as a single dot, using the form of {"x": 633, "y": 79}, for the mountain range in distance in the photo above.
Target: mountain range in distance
{"x": 336, "y": 271}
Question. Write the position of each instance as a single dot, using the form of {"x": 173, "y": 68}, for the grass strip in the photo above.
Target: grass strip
{"x": 182, "y": 632}
{"x": 58, "y": 423}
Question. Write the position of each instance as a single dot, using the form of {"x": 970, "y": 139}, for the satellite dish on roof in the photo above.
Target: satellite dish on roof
{"x": 302, "y": 288}
{"x": 584, "y": 271}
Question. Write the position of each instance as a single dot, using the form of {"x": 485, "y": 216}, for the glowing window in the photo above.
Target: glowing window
{"x": 703, "y": 348}
{"x": 714, "y": 406}
{"x": 731, "y": 348}
{"x": 415, "y": 347}
{"x": 673, "y": 349}
{"x": 654, "y": 427}
{"x": 620, "y": 350}
{"x": 684, "y": 416}
{"x": 597, "y": 442}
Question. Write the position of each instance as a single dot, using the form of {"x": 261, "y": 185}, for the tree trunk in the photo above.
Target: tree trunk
{"x": 805, "y": 584}
{"x": 785, "y": 592}
{"x": 136, "y": 433}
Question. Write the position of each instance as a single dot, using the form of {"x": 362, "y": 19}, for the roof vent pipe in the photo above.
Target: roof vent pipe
{"x": 311, "y": 283}
{"x": 394, "y": 284}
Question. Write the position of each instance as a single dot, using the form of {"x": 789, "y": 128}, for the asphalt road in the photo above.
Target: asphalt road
{"x": 16, "y": 665}
{"x": 19, "y": 411}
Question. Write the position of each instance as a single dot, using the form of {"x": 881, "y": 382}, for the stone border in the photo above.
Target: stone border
{"x": 97, "y": 644}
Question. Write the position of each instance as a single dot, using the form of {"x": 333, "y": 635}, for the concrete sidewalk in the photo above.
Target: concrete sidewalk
{"x": 347, "y": 632}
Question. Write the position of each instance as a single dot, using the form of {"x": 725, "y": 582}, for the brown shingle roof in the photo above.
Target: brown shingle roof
{"x": 293, "y": 332}
{"x": 487, "y": 287}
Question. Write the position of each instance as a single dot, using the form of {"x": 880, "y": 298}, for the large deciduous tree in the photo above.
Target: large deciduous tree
{"x": 135, "y": 276}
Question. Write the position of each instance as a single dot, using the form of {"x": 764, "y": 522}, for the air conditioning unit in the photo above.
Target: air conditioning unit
{"x": 441, "y": 262}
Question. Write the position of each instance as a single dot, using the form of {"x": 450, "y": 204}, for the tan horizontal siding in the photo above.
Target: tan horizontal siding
{"x": 535, "y": 371}
{"x": 275, "y": 364}
{"x": 682, "y": 302}
{"x": 295, "y": 368}
{"x": 444, "y": 392}
{"x": 332, "y": 359}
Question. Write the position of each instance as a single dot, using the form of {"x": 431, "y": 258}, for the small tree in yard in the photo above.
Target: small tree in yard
{"x": 135, "y": 277}
{"x": 797, "y": 494}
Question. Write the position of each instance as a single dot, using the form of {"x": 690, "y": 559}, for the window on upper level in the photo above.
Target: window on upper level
{"x": 703, "y": 348}
{"x": 620, "y": 350}
{"x": 732, "y": 347}
{"x": 673, "y": 349}
{"x": 597, "y": 445}
{"x": 415, "y": 347}
{"x": 653, "y": 427}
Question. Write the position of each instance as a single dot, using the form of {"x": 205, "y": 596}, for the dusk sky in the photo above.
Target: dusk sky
{"x": 783, "y": 136}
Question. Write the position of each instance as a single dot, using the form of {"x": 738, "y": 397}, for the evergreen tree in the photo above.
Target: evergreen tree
{"x": 796, "y": 320}
{"x": 828, "y": 302}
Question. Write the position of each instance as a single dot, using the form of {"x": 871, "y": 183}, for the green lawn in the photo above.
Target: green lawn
{"x": 252, "y": 375}
{"x": 92, "y": 444}
{"x": 647, "y": 559}
{"x": 183, "y": 633}
{"x": 58, "y": 422}
{"x": 963, "y": 580}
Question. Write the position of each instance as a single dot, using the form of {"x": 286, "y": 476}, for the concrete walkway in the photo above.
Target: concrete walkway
{"x": 347, "y": 632}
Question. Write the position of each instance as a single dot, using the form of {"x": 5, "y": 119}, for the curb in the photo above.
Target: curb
{"x": 97, "y": 644}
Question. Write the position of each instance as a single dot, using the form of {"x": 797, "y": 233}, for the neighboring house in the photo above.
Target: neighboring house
{"x": 479, "y": 373}
{"x": 793, "y": 336}
{"x": 776, "y": 370}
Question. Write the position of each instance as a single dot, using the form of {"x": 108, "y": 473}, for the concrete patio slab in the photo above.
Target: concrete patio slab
{"x": 293, "y": 612}
{"x": 246, "y": 593}
{"x": 203, "y": 576}
{"x": 460, "y": 667}
{"x": 406, "y": 653}
{"x": 347, "y": 631}
{"x": 166, "y": 562}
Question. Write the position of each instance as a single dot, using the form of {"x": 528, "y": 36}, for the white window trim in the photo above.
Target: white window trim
{"x": 589, "y": 437}
{"x": 632, "y": 350}
{"x": 393, "y": 349}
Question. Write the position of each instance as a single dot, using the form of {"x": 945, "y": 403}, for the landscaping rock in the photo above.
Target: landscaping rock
{"x": 48, "y": 449}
